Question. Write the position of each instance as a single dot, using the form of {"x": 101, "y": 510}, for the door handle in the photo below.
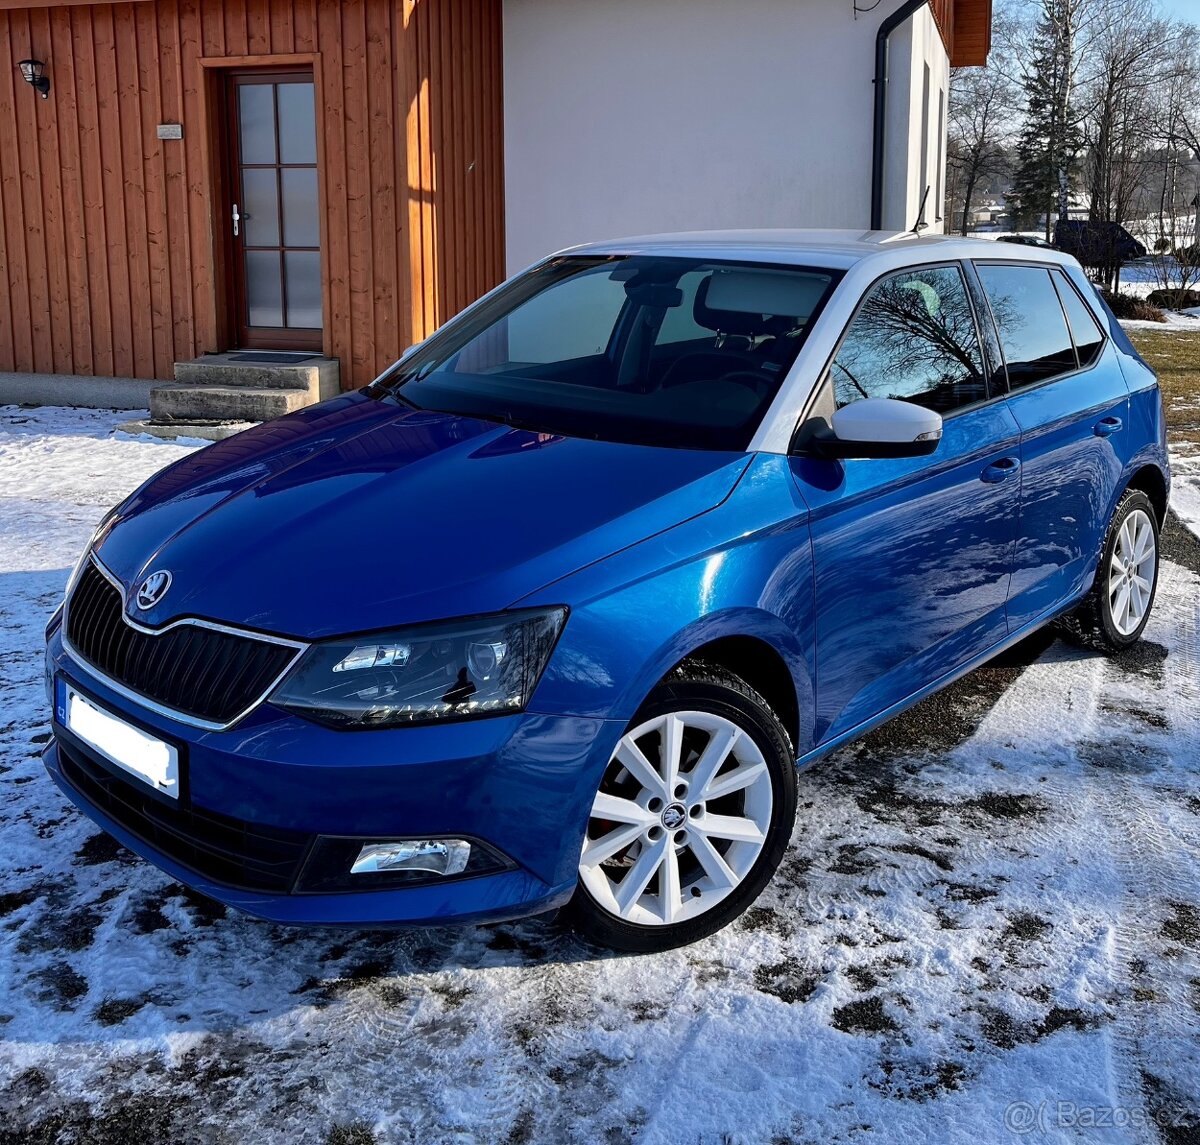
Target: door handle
{"x": 237, "y": 219}
{"x": 1107, "y": 426}
{"x": 1000, "y": 470}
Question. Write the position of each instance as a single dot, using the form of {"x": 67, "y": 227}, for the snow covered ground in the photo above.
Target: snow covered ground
{"x": 1177, "y": 322}
{"x": 1185, "y": 484}
{"x": 987, "y": 929}
{"x": 1146, "y": 275}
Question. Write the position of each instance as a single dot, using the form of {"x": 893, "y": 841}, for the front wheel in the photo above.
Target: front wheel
{"x": 1115, "y": 613}
{"x": 692, "y": 817}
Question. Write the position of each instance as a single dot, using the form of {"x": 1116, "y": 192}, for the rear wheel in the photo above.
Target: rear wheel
{"x": 1115, "y": 613}
{"x": 692, "y": 817}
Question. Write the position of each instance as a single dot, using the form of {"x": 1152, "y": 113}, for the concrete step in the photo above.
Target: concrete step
{"x": 319, "y": 377}
{"x": 186, "y": 430}
{"x": 183, "y": 402}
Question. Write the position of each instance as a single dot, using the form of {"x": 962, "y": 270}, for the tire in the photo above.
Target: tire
{"x": 1114, "y": 614}
{"x": 691, "y": 875}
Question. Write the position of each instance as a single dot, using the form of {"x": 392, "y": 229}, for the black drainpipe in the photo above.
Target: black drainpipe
{"x": 904, "y": 12}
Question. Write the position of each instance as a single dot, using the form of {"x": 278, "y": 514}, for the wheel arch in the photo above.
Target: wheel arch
{"x": 759, "y": 664}
{"x": 1150, "y": 479}
{"x": 756, "y": 647}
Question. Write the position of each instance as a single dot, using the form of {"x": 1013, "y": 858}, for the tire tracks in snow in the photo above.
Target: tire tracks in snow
{"x": 1123, "y": 786}
{"x": 889, "y": 760}
{"x": 1157, "y": 1022}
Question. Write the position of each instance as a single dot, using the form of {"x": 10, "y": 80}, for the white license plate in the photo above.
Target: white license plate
{"x": 129, "y": 748}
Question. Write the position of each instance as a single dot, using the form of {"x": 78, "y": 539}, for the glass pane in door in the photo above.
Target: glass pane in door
{"x": 302, "y": 271}
{"x": 260, "y": 207}
{"x": 278, "y": 228}
{"x": 263, "y": 288}
{"x": 257, "y": 124}
{"x": 297, "y": 123}
{"x": 302, "y": 224}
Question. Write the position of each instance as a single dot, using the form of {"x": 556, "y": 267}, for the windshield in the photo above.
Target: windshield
{"x": 643, "y": 349}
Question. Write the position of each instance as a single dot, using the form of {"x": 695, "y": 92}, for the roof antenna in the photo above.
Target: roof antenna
{"x": 921, "y": 225}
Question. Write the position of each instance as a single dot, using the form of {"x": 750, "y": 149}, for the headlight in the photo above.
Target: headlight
{"x": 453, "y": 670}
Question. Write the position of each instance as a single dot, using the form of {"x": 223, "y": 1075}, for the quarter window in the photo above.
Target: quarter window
{"x": 914, "y": 338}
{"x": 1089, "y": 340}
{"x": 1029, "y": 317}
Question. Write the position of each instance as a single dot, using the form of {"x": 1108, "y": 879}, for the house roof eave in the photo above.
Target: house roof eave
{"x": 972, "y": 33}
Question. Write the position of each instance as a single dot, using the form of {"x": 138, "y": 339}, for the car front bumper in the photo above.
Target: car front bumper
{"x": 522, "y": 785}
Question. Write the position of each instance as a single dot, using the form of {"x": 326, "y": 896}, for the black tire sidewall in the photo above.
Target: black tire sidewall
{"x": 1130, "y": 503}
{"x": 735, "y": 701}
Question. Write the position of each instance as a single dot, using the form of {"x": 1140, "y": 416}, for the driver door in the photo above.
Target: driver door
{"x": 911, "y": 557}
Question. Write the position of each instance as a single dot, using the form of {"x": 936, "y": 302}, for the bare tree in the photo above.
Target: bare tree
{"x": 1183, "y": 109}
{"x": 1134, "y": 60}
{"x": 1136, "y": 68}
{"x": 1111, "y": 107}
{"x": 1172, "y": 229}
{"x": 982, "y": 102}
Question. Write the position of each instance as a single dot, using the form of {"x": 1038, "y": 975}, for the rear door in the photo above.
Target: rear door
{"x": 1069, "y": 397}
{"x": 911, "y": 556}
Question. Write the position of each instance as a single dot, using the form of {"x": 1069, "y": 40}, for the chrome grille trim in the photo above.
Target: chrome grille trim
{"x": 299, "y": 647}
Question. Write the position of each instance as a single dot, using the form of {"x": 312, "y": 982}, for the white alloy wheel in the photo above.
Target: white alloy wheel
{"x": 681, "y": 816}
{"x": 1131, "y": 572}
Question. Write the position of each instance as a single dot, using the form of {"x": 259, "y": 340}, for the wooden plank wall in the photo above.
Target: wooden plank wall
{"x": 108, "y": 263}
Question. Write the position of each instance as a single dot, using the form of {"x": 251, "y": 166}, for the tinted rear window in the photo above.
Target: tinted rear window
{"x": 1029, "y": 317}
{"x": 1089, "y": 339}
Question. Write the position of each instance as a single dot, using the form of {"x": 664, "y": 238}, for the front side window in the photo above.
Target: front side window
{"x": 1033, "y": 329}
{"x": 914, "y": 338}
{"x": 682, "y": 352}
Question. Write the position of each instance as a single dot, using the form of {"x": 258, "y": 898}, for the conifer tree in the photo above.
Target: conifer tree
{"x": 1051, "y": 139}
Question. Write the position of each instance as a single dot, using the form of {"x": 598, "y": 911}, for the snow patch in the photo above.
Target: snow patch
{"x": 988, "y": 912}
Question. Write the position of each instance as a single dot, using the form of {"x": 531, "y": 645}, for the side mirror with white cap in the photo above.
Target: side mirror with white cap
{"x": 880, "y": 427}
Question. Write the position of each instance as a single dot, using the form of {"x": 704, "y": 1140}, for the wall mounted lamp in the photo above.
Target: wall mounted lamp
{"x": 34, "y": 73}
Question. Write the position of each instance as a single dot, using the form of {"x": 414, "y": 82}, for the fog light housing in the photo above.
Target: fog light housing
{"x": 431, "y": 856}
{"x": 341, "y": 864}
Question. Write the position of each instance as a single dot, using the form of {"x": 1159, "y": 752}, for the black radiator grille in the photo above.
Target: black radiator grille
{"x": 247, "y": 856}
{"x": 213, "y": 676}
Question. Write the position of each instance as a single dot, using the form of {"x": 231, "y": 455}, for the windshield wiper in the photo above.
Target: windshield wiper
{"x": 380, "y": 392}
{"x": 388, "y": 385}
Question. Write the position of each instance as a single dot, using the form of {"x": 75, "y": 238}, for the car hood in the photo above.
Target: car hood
{"x": 360, "y": 514}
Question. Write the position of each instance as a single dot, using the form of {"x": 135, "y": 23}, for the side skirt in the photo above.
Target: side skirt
{"x": 822, "y": 750}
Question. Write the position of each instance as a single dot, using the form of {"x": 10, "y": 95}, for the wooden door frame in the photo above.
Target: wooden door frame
{"x": 215, "y": 71}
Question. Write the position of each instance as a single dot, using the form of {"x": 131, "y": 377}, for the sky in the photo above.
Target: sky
{"x": 1184, "y": 9}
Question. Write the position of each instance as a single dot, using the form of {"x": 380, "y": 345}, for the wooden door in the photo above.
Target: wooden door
{"x": 274, "y": 211}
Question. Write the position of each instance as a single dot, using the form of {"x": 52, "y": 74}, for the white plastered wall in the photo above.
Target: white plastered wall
{"x": 913, "y": 46}
{"x": 637, "y": 116}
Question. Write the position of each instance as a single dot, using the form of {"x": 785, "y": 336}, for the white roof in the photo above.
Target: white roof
{"x": 840, "y": 249}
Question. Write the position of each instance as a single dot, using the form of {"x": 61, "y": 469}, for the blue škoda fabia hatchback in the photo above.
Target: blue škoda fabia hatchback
{"x": 548, "y": 615}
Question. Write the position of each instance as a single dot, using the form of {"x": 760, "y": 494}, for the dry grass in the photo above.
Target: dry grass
{"x": 1176, "y": 358}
